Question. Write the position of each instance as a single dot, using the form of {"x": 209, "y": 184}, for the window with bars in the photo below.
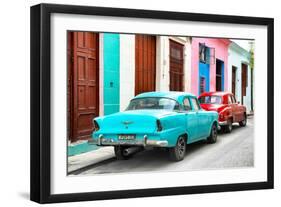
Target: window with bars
{"x": 202, "y": 84}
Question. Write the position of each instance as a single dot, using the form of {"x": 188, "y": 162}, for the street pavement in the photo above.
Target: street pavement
{"x": 234, "y": 150}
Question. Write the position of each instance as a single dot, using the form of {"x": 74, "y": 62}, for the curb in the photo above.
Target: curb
{"x": 85, "y": 160}
{"x": 80, "y": 147}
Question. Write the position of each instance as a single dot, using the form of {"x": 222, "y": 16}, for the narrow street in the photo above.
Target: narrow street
{"x": 234, "y": 150}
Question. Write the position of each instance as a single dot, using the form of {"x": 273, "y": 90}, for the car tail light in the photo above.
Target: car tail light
{"x": 96, "y": 126}
{"x": 159, "y": 126}
{"x": 221, "y": 116}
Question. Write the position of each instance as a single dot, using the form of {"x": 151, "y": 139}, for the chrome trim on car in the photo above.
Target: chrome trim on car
{"x": 101, "y": 141}
{"x": 159, "y": 143}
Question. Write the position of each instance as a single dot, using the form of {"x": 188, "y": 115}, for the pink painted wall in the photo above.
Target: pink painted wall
{"x": 221, "y": 53}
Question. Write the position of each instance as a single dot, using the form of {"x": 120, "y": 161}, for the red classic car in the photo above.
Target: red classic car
{"x": 229, "y": 110}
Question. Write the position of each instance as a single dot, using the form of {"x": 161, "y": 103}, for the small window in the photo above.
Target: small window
{"x": 195, "y": 104}
{"x": 202, "y": 53}
{"x": 202, "y": 84}
{"x": 206, "y": 54}
{"x": 186, "y": 104}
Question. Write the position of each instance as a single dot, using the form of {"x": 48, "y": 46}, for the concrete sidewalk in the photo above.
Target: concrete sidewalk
{"x": 89, "y": 158}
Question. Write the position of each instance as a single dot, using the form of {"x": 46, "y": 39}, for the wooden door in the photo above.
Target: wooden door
{"x": 85, "y": 84}
{"x": 234, "y": 80}
{"x": 176, "y": 66}
{"x": 69, "y": 85}
{"x": 145, "y": 63}
{"x": 244, "y": 81}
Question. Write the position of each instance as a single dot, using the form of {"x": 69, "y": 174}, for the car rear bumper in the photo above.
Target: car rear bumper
{"x": 101, "y": 141}
{"x": 223, "y": 123}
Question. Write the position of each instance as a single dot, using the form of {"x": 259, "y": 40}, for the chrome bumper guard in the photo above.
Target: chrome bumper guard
{"x": 101, "y": 141}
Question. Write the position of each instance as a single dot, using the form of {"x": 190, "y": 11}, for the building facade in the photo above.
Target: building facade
{"x": 240, "y": 75}
{"x": 209, "y": 63}
{"x": 106, "y": 70}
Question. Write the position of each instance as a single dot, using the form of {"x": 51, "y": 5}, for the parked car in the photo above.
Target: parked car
{"x": 168, "y": 120}
{"x": 230, "y": 111}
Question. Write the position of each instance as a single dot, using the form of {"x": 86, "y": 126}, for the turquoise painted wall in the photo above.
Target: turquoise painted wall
{"x": 111, "y": 61}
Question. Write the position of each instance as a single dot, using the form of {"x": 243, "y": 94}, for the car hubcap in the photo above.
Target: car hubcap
{"x": 181, "y": 147}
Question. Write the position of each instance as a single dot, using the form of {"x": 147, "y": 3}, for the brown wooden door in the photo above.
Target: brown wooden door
{"x": 244, "y": 81}
{"x": 234, "y": 80}
{"x": 69, "y": 85}
{"x": 84, "y": 83}
{"x": 176, "y": 66}
{"x": 145, "y": 63}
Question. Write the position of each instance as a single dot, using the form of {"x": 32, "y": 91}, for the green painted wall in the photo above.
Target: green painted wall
{"x": 79, "y": 148}
{"x": 111, "y": 60}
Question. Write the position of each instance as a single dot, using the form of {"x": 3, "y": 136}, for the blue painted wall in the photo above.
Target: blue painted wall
{"x": 111, "y": 61}
{"x": 204, "y": 71}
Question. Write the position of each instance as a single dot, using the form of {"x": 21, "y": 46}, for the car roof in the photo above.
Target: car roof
{"x": 176, "y": 95}
{"x": 216, "y": 93}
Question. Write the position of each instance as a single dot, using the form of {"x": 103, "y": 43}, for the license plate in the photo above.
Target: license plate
{"x": 126, "y": 136}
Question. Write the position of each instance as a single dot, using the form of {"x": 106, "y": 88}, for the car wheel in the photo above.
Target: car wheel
{"x": 228, "y": 127}
{"x": 119, "y": 153}
{"x": 213, "y": 135}
{"x": 244, "y": 122}
{"x": 177, "y": 153}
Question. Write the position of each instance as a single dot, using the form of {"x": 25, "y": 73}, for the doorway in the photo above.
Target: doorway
{"x": 176, "y": 66}
{"x": 234, "y": 70}
{"x": 83, "y": 83}
{"x": 244, "y": 78}
{"x": 145, "y": 63}
{"x": 219, "y": 75}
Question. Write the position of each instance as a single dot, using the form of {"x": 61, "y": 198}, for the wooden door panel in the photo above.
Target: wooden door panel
{"x": 84, "y": 123}
{"x": 69, "y": 85}
{"x": 92, "y": 68}
{"x": 244, "y": 81}
{"x": 145, "y": 61}
{"x": 85, "y": 98}
{"x": 234, "y": 80}
{"x": 81, "y": 67}
{"x": 176, "y": 66}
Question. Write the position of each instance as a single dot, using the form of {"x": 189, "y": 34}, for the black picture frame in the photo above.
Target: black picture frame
{"x": 41, "y": 102}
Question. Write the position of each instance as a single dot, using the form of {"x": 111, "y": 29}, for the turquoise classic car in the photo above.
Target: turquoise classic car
{"x": 168, "y": 120}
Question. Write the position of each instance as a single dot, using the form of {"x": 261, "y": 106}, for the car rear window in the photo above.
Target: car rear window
{"x": 153, "y": 103}
{"x": 210, "y": 100}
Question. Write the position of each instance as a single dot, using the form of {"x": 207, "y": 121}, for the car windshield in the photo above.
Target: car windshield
{"x": 210, "y": 100}
{"x": 153, "y": 103}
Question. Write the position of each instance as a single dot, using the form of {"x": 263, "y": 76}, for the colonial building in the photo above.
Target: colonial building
{"x": 106, "y": 70}
{"x": 209, "y": 63}
{"x": 240, "y": 75}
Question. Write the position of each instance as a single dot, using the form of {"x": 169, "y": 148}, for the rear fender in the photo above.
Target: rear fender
{"x": 171, "y": 135}
{"x": 173, "y": 127}
{"x": 227, "y": 113}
